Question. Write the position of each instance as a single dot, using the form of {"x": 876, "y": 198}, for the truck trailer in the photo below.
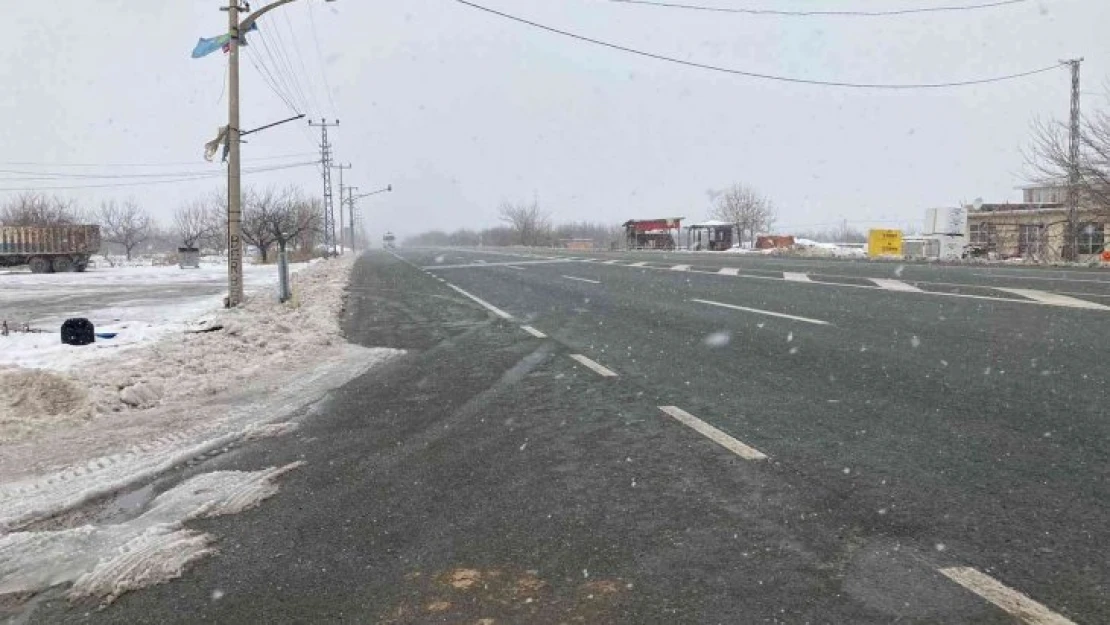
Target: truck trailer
{"x": 47, "y": 249}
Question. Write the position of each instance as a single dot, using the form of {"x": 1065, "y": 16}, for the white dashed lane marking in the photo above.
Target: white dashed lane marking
{"x": 515, "y": 267}
{"x": 603, "y": 371}
{"x": 713, "y": 434}
{"x": 488, "y": 306}
{"x": 680, "y": 268}
{"x": 729, "y": 271}
{"x": 794, "y": 276}
{"x": 1006, "y": 598}
{"x": 762, "y": 312}
{"x": 642, "y": 263}
{"x": 1054, "y": 299}
{"x": 895, "y": 285}
{"x": 534, "y": 332}
{"x": 583, "y": 279}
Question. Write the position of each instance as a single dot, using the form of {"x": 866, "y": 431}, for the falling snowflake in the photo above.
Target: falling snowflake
{"x": 718, "y": 339}
{"x": 915, "y": 342}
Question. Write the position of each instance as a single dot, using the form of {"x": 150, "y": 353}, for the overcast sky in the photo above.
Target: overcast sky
{"x": 460, "y": 110}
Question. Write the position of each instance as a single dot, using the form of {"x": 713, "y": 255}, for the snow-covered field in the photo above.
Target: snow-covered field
{"x": 89, "y": 421}
{"x": 138, "y": 304}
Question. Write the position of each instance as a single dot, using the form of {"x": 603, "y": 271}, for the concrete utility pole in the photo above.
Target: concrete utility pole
{"x": 1071, "y": 250}
{"x": 234, "y": 163}
{"x": 341, "y": 239}
{"x": 234, "y": 180}
{"x": 329, "y": 201}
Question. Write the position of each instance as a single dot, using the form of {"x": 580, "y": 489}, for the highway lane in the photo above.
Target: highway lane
{"x": 1088, "y": 282}
{"x": 904, "y": 437}
{"x": 980, "y": 420}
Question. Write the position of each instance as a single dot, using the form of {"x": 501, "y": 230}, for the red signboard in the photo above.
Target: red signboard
{"x": 647, "y": 225}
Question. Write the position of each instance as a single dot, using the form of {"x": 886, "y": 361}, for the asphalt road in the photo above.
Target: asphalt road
{"x": 850, "y": 443}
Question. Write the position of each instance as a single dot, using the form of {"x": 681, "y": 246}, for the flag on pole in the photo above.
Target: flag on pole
{"x": 208, "y": 45}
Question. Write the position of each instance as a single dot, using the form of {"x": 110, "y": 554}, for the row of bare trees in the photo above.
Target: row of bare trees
{"x": 272, "y": 217}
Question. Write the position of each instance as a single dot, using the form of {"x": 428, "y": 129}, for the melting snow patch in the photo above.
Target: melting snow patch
{"x": 106, "y": 561}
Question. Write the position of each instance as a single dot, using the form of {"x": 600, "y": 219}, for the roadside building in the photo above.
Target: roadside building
{"x": 651, "y": 234}
{"x": 1036, "y": 227}
{"x": 712, "y": 235}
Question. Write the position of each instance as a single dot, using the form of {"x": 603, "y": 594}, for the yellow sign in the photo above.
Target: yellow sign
{"x": 884, "y": 243}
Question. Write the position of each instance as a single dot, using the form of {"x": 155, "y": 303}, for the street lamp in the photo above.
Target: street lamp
{"x": 351, "y": 206}
{"x": 234, "y": 170}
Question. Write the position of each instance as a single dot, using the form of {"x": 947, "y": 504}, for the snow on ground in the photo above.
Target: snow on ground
{"x": 138, "y": 304}
{"x": 69, "y": 435}
{"x": 105, "y": 561}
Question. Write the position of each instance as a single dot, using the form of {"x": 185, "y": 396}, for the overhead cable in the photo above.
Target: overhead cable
{"x": 190, "y": 178}
{"x": 824, "y": 13}
{"x": 762, "y": 76}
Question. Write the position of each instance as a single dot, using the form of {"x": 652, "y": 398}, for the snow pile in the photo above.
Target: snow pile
{"x": 220, "y": 352}
{"x": 30, "y": 396}
{"x": 107, "y": 561}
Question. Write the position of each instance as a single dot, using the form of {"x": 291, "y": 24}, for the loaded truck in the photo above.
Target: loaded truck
{"x": 47, "y": 249}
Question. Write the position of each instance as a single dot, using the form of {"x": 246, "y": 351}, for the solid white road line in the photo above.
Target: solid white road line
{"x": 729, "y": 271}
{"x": 762, "y": 312}
{"x": 681, "y": 268}
{"x": 794, "y": 276}
{"x": 583, "y": 279}
{"x": 895, "y": 285}
{"x": 611, "y": 262}
{"x": 488, "y": 306}
{"x": 642, "y": 263}
{"x": 1010, "y": 600}
{"x": 515, "y": 267}
{"x": 713, "y": 434}
{"x": 593, "y": 366}
{"x": 1054, "y": 299}
{"x": 534, "y": 332}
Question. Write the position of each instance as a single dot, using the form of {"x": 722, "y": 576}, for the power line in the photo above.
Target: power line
{"x": 271, "y": 82}
{"x": 164, "y": 164}
{"x": 750, "y": 74}
{"x": 300, "y": 60}
{"x": 276, "y": 82}
{"x": 776, "y": 12}
{"x": 50, "y": 175}
{"x": 286, "y": 67}
{"x": 217, "y": 174}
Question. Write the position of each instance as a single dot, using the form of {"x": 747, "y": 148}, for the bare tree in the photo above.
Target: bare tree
{"x": 126, "y": 224}
{"x": 295, "y": 218}
{"x": 215, "y": 216}
{"x": 257, "y": 209}
{"x": 745, "y": 207}
{"x": 530, "y": 225}
{"x": 38, "y": 209}
{"x": 1049, "y": 158}
{"x": 193, "y": 224}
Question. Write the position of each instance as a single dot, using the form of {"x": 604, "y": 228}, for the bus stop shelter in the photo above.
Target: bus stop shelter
{"x": 715, "y": 236}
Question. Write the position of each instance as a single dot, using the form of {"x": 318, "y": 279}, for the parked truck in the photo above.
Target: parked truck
{"x": 47, "y": 249}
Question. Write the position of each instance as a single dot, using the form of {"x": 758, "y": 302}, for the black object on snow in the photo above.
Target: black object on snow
{"x": 78, "y": 331}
